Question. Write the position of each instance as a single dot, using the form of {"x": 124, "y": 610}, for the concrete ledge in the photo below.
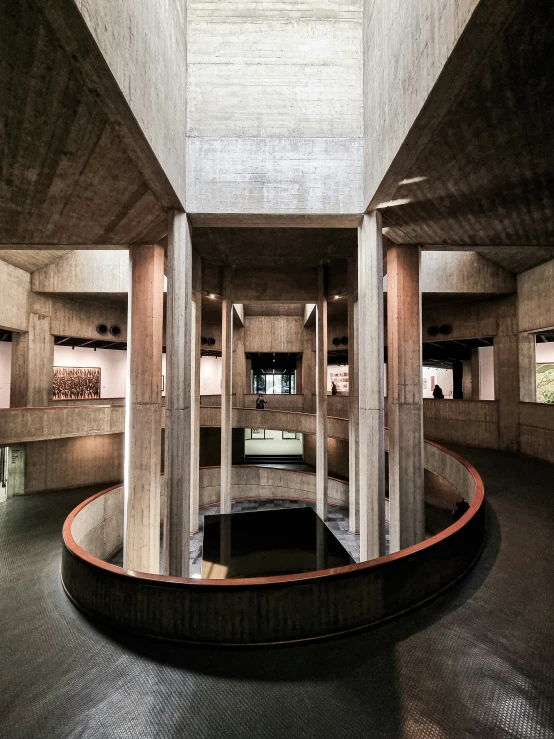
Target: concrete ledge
{"x": 274, "y": 609}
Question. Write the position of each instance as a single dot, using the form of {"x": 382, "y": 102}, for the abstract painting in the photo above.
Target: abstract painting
{"x": 76, "y": 383}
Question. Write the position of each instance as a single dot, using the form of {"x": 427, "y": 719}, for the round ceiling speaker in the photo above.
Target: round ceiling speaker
{"x": 336, "y": 341}
{"x": 446, "y": 329}
{"x": 102, "y": 328}
{"x": 204, "y": 340}
{"x": 344, "y": 340}
{"x": 211, "y": 341}
{"x": 433, "y": 330}
{"x": 115, "y": 330}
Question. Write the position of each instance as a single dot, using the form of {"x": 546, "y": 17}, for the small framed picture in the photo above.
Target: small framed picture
{"x": 288, "y": 434}
{"x": 258, "y": 433}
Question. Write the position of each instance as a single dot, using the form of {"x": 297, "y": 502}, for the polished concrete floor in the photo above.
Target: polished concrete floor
{"x": 476, "y": 662}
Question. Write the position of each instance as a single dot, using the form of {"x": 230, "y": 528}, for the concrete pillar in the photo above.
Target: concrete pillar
{"x": 527, "y": 368}
{"x": 475, "y": 375}
{"x": 322, "y": 480}
{"x": 32, "y": 366}
{"x": 141, "y": 545}
{"x": 371, "y": 430}
{"x": 405, "y": 398}
{"x": 226, "y": 398}
{"x": 467, "y": 380}
{"x": 308, "y": 370}
{"x": 506, "y": 378}
{"x": 179, "y": 411}
{"x": 196, "y": 357}
{"x": 239, "y": 366}
{"x": 353, "y": 400}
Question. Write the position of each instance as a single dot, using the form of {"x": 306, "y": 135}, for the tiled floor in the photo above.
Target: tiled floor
{"x": 475, "y": 663}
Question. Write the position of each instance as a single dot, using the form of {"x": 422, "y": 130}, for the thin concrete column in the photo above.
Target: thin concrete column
{"x": 196, "y": 357}
{"x": 143, "y": 411}
{"x": 527, "y": 345}
{"x": 321, "y": 461}
{"x": 179, "y": 411}
{"x": 475, "y": 375}
{"x": 371, "y": 428}
{"x": 353, "y": 400}
{"x": 32, "y": 365}
{"x": 405, "y": 395}
{"x": 308, "y": 369}
{"x": 239, "y": 366}
{"x": 226, "y": 399}
{"x": 507, "y": 377}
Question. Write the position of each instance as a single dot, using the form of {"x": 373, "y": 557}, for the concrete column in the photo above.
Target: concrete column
{"x": 179, "y": 411}
{"x": 475, "y": 375}
{"x": 353, "y": 400}
{"x": 405, "y": 395}
{"x": 467, "y": 380}
{"x": 308, "y": 370}
{"x": 32, "y": 366}
{"x": 527, "y": 368}
{"x": 371, "y": 430}
{"x": 506, "y": 378}
{"x": 239, "y": 366}
{"x": 321, "y": 463}
{"x": 141, "y": 545}
{"x": 226, "y": 398}
{"x": 196, "y": 357}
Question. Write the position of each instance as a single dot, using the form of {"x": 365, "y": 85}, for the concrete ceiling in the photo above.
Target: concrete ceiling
{"x": 274, "y": 247}
{"x": 65, "y": 178}
{"x": 32, "y": 259}
{"x": 485, "y": 178}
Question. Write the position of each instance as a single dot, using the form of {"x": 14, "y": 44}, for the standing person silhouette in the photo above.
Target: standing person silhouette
{"x": 260, "y": 402}
{"x": 333, "y": 388}
{"x": 438, "y": 393}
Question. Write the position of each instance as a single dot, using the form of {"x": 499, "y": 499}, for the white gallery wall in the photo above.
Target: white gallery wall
{"x": 273, "y": 443}
{"x": 210, "y": 376}
{"x": 5, "y": 373}
{"x": 545, "y": 353}
{"x": 437, "y": 376}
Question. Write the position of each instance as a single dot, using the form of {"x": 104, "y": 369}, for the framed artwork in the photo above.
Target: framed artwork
{"x": 76, "y": 383}
{"x": 258, "y": 433}
{"x": 288, "y": 434}
{"x": 545, "y": 383}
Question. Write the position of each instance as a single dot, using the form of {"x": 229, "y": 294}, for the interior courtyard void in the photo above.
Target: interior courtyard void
{"x": 276, "y": 369}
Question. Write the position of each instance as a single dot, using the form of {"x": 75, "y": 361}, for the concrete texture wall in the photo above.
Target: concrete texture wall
{"x": 337, "y": 455}
{"x": 273, "y": 334}
{"x": 87, "y": 271}
{"x": 274, "y": 109}
{"x": 144, "y": 45}
{"x": 14, "y": 297}
{"x": 536, "y": 298}
{"x": 406, "y": 45}
{"x": 80, "y": 318}
{"x": 462, "y": 272}
{"x": 537, "y": 430}
{"x": 58, "y": 464}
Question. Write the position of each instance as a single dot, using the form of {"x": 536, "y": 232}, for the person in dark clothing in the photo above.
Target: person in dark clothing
{"x": 333, "y": 388}
{"x": 437, "y": 392}
{"x": 260, "y": 402}
{"x": 461, "y": 507}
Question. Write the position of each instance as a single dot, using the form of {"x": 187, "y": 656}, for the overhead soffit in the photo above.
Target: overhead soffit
{"x": 485, "y": 176}
{"x": 66, "y": 177}
{"x": 32, "y": 259}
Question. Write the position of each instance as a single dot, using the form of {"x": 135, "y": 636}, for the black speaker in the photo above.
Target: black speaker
{"x": 211, "y": 341}
{"x": 204, "y": 340}
{"x": 446, "y": 329}
{"x": 433, "y": 330}
{"x": 336, "y": 341}
{"x": 115, "y": 330}
{"x": 102, "y": 328}
{"x": 344, "y": 340}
